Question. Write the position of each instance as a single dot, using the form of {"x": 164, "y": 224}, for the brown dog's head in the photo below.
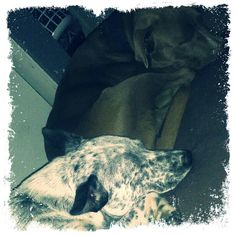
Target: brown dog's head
{"x": 170, "y": 38}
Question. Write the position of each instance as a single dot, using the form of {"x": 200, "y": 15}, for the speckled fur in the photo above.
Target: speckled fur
{"x": 133, "y": 176}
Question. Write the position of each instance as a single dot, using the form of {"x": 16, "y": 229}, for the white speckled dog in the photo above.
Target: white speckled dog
{"x": 103, "y": 181}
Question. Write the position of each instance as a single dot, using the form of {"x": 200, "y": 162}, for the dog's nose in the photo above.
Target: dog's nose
{"x": 187, "y": 159}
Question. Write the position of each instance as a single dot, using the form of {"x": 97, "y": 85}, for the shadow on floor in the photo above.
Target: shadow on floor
{"x": 203, "y": 131}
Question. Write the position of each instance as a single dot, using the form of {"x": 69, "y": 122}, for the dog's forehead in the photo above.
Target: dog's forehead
{"x": 113, "y": 142}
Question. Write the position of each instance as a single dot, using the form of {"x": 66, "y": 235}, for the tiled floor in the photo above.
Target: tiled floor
{"x": 29, "y": 116}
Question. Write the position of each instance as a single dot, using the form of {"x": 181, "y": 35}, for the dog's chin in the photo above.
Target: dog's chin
{"x": 162, "y": 65}
{"x": 171, "y": 183}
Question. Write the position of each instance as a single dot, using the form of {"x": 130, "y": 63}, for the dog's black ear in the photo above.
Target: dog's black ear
{"x": 59, "y": 142}
{"x": 91, "y": 196}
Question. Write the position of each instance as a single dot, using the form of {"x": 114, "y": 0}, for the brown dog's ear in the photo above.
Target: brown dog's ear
{"x": 91, "y": 196}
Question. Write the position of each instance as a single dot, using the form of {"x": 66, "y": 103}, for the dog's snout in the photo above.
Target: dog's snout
{"x": 187, "y": 159}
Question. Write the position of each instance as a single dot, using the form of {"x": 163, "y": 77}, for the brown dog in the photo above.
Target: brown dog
{"x": 122, "y": 79}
